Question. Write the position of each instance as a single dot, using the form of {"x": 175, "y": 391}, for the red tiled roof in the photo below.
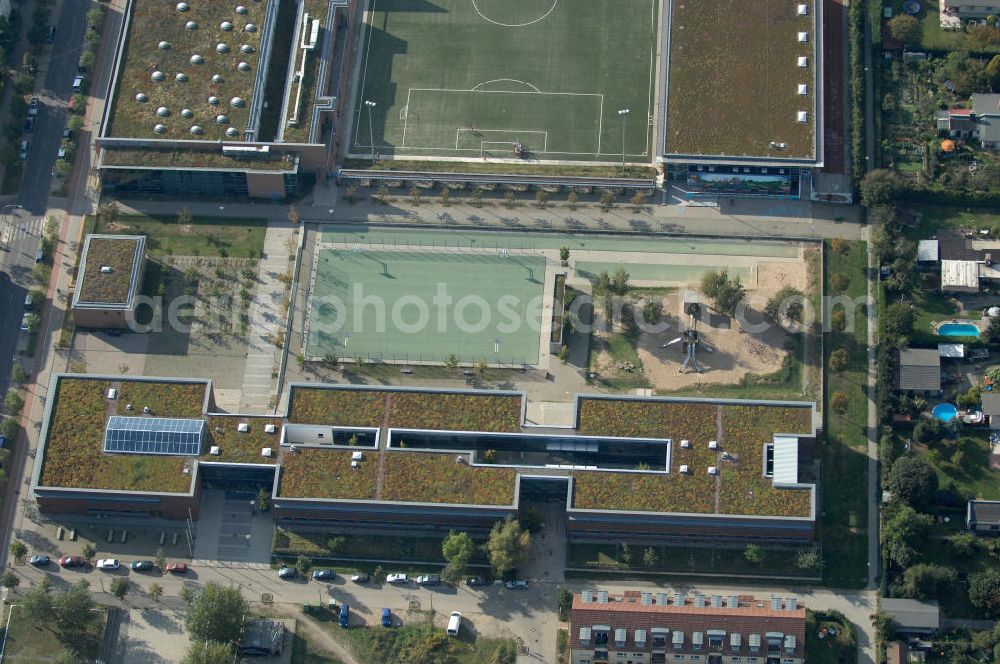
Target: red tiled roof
{"x": 752, "y": 616}
{"x": 959, "y": 111}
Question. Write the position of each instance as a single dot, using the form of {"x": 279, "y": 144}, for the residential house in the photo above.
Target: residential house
{"x": 910, "y": 616}
{"x": 895, "y": 653}
{"x": 971, "y": 9}
{"x": 983, "y": 517}
{"x": 648, "y": 628}
{"x": 981, "y": 122}
{"x": 991, "y": 408}
{"x": 919, "y": 370}
{"x": 966, "y": 262}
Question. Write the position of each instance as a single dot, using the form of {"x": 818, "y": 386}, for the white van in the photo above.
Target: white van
{"x": 454, "y": 623}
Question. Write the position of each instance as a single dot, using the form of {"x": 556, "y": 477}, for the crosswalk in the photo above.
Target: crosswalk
{"x": 16, "y": 236}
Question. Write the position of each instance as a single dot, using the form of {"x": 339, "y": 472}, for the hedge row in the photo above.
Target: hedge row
{"x": 856, "y": 38}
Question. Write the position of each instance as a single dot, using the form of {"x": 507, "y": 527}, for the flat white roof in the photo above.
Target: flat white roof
{"x": 786, "y": 460}
{"x": 951, "y": 350}
{"x": 960, "y": 274}
{"x": 927, "y": 251}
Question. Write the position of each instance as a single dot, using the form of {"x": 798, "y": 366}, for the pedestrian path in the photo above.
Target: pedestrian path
{"x": 267, "y": 320}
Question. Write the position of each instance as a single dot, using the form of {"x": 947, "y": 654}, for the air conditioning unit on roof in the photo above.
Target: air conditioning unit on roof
{"x": 266, "y": 452}
{"x": 684, "y": 470}
{"x": 713, "y": 444}
{"x": 215, "y": 450}
{"x": 243, "y": 427}
{"x": 269, "y": 428}
{"x": 712, "y": 470}
{"x": 685, "y": 444}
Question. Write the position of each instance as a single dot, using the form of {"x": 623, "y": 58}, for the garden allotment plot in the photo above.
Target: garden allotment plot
{"x": 469, "y": 78}
{"x": 422, "y": 306}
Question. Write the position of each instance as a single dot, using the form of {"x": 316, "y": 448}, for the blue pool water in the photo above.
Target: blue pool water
{"x": 945, "y": 412}
{"x": 958, "y": 330}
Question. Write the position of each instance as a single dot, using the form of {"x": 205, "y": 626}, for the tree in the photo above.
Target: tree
{"x": 881, "y": 186}
{"x": 786, "y": 302}
{"x": 649, "y": 558}
{"x": 625, "y": 553}
{"x": 13, "y": 403}
{"x": 711, "y": 282}
{"x": 10, "y": 580}
{"x": 971, "y": 398}
{"x": 993, "y": 329}
{"x": 984, "y": 590}
{"x": 33, "y": 321}
{"x": 161, "y": 560}
{"x": 88, "y": 552}
{"x": 541, "y": 198}
{"x": 905, "y": 28}
{"x": 188, "y": 595}
{"x": 914, "y": 481}
{"x": 335, "y": 543}
{"x": 924, "y": 581}
{"x": 838, "y": 321}
{"x": 184, "y": 217}
{"x": 18, "y": 550}
{"x": 208, "y": 652}
{"x": 619, "y": 282}
{"x": 457, "y": 549}
{"x": 838, "y": 360}
{"x": 726, "y": 292}
{"x": 303, "y": 564}
{"x": 451, "y": 362}
{"x": 293, "y": 215}
{"x": 507, "y": 545}
{"x": 839, "y": 282}
{"x": 904, "y": 530}
{"x": 38, "y": 605}
{"x": 155, "y": 591}
{"x": 19, "y": 374}
{"x": 602, "y": 284}
{"x": 965, "y": 545}
{"x": 216, "y": 614}
{"x": 66, "y": 656}
{"x": 571, "y": 199}
{"x": 119, "y": 587}
{"x": 839, "y": 401}
{"x": 927, "y": 431}
{"x": 74, "y": 612}
{"x": 753, "y": 554}
{"x": 808, "y": 560}
{"x": 992, "y": 72}
{"x": 564, "y": 254}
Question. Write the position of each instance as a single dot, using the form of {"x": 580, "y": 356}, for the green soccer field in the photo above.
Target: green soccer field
{"x": 469, "y": 78}
{"x": 424, "y": 306}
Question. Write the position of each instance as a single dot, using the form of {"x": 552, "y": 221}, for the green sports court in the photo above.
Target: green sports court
{"x": 482, "y": 313}
{"x": 472, "y": 78}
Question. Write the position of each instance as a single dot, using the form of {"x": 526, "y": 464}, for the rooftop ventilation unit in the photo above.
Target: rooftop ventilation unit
{"x": 732, "y": 602}
{"x": 243, "y": 66}
{"x": 214, "y": 101}
{"x": 354, "y": 465}
{"x": 141, "y": 98}
{"x": 237, "y": 102}
{"x": 187, "y": 113}
{"x": 128, "y": 406}
{"x": 183, "y": 6}
{"x": 106, "y": 269}
{"x": 221, "y": 119}
{"x": 222, "y": 48}
{"x": 226, "y": 26}
{"x": 163, "y": 112}
{"x": 191, "y": 25}
{"x": 215, "y": 450}
{"x": 266, "y": 452}
{"x": 712, "y": 470}
{"x": 250, "y": 27}
{"x": 217, "y": 79}
{"x": 246, "y": 48}
{"x": 685, "y": 470}
{"x": 803, "y": 89}
{"x": 678, "y": 599}
{"x": 357, "y": 456}
{"x": 776, "y": 604}
{"x": 661, "y": 599}
{"x": 164, "y": 45}
{"x": 269, "y": 428}
{"x": 241, "y": 10}
{"x": 699, "y": 600}
{"x": 685, "y": 444}
{"x": 186, "y": 471}
{"x": 803, "y": 37}
{"x": 232, "y": 132}
{"x": 112, "y": 393}
{"x": 243, "y": 427}
{"x": 717, "y": 601}
{"x": 157, "y": 76}
{"x": 803, "y": 10}
{"x": 586, "y": 596}
{"x": 713, "y": 444}
{"x": 791, "y": 604}
{"x": 147, "y": 410}
{"x": 197, "y": 130}
{"x": 181, "y": 77}
{"x": 197, "y": 59}
{"x": 802, "y": 116}
{"x": 803, "y": 61}
{"x": 602, "y": 596}
{"x": 647, "y": 599}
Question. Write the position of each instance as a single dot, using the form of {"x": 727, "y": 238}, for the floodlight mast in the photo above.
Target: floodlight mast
{"x": 371, "y": 134}
{"x": 623, "y": 112}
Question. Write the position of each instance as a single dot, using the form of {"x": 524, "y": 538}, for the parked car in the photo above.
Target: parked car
{"x": 477, "y": 581}
{"x": 429, "y": 580}
{"x": 360, "y": 578}
{"x": 67, "y": 134}
{"x": 454, "y": 623}
{"x": 72, "y": 561}
{"x": 61, "y": 154}
{"x": 22, "y": 150}
{"x": 39, "y": 561}
{"x": 397, "y": 579}
{"x": 77, "y": 83}
{"x": 72, "y": 102}
{"x": 26, "y": 322}
{"x": 33, "y": 107}
{"x": 50, "y": 36}
{"x": 40, "y": 255}
{"x": 28, "y": 304}
{"x": 3, "y": 442}
{"x": 29, "y": 124}
{"x": 386, "y": 618}
{"x": 141, "y": 565}
{"x": 517, "y": 585}
{"x": 324, "y": 575}
{"x": 177, "y": 568}
{"x": 108, "y": 564}
{"x": 287, "y": 572}
{"x": 345, "y": 616}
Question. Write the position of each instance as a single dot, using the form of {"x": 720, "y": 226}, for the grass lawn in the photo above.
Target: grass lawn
{"x": 941, "y": 217}
{"x": 26, "y": 643}
{"x": 844, "y": 526}
{"x": 964, "y": 463}
{"x": 551, "y": 76}
{"x": 419, "y": 641}
{"x": 305, "y": 651}
{"x": 932, "y": 36}
{"x": 839, "y": 649}
{"x": 204, "y": 236}
{"x": 956, "y": 604}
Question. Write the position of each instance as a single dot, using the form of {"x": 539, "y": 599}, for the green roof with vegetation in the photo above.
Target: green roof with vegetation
{"x": 407, "y": 409}
{"x": 313, "y": 472}
{"x": 117, "y": 253}
{"x": 317, "y": 9}
{"x": 211, "y": 157}
{"x": 158, "y": 40}
{"x": 74, "y": 456}
{"x": 242, "y": 447}
{"x": 733, "y": 84}
{"x": 741, "y": 430}
{"x": 439, "y": 478}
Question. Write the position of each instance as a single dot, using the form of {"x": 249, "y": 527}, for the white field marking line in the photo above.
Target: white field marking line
{"x": 515, "y": 25}
{"x": 600, "y": 127}
{"x": 506, "y": 131}
{"x": 497, "y": 80}
{"x": 506, "y": 92}
{"x": 406, "y": 120}
{"x": 652, "y": 67}
{"x": 364, "y": 76}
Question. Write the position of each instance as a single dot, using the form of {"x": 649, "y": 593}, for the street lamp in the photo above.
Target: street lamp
{"x": 624, "y": 113}
{"x": 371, "y": 135}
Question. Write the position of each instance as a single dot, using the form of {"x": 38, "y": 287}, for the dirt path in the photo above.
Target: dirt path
{"x": 316, "y": 634}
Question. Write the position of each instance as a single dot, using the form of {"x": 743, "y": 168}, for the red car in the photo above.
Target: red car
{"x": 72, "y": 561}
{"x": 177, "y": 568}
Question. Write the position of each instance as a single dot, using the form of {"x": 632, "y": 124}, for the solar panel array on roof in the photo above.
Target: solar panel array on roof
{"x": 154, "y": 435}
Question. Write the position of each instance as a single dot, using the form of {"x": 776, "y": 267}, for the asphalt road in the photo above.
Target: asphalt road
{"x": 54, "y": 94}
{"x": 19, "y": 239}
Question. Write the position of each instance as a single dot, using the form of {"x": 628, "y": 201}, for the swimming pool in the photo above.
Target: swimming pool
{"x": 958, "y": 330}
{"x": 945, "y": 412}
